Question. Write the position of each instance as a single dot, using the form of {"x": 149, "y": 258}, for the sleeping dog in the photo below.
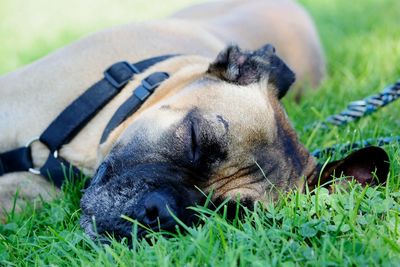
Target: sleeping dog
{"x": 215, "y": 125}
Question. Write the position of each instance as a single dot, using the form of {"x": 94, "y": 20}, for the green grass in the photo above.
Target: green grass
{"x": 359, "y": 226}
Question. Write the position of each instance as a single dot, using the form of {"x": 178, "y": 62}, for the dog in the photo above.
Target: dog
{"x": 216, "y": 125}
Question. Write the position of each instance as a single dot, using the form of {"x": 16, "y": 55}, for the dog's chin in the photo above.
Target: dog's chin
{"x": 122, "y": 228}
{"x": 103, "y": 236}
{"x": 87, "y": 225}
{"x": 106, "y": 214}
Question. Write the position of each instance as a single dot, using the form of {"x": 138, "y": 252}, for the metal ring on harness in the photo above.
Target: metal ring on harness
{"x": 28, "y": 144}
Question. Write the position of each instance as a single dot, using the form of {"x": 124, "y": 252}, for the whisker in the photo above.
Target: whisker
{"x": 264, "y": 174}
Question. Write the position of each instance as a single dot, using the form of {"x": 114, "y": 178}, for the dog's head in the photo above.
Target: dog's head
{"x": 222, "y": 130}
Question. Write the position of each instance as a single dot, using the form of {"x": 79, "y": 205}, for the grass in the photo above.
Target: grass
{"x": 358, "y": 226}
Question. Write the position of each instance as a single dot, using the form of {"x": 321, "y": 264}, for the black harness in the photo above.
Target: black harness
{"x": 75, "y": 116}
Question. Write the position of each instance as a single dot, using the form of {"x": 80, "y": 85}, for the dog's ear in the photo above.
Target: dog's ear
{"x": 368, "y": 165}
{"x": 246, "y": 67}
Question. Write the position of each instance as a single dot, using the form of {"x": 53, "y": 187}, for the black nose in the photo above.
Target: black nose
{"x": 159, "y": 208}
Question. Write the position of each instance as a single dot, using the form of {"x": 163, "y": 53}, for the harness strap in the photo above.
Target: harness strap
{"x": 57, "y": 169}
{"x": 16, "y": 160}
{"x": 74, "y": 117}
{"x": 133, "y": 103}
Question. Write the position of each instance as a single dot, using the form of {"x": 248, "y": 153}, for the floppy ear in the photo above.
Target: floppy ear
{"x": 246, "y": 67}
{"x": 368, "y": 165}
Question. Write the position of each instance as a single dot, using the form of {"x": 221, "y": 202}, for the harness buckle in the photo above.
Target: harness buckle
{"x": 142, "y": 93}
{"x": 120, "y": 73}
{"x": 146, "y": 88}
{"x": 154, "y": 80}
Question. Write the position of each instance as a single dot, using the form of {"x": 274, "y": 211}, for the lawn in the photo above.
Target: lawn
{"x": 357, "y": 226}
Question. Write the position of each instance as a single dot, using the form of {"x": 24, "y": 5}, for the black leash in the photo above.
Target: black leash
{"x": 365, "y": 107}
{"x": 344, "y": 148}
{"x": 355, "y": 111}
{"x": 75, "y": 116}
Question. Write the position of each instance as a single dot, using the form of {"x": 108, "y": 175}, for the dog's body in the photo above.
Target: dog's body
{"x": 33, "y": 96}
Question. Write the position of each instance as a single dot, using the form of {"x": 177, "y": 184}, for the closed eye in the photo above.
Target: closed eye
{"x": 194, "y": 142}
{"x": 201, "y": 146}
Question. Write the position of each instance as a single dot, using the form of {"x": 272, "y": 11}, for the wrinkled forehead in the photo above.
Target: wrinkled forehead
{"x": 212, "y": 95}
{"x": 244, "y": 108}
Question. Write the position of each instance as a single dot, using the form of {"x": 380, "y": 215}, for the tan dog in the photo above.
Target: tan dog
{"x": 33, "y": 96}
{"x": 217, "y": 127}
